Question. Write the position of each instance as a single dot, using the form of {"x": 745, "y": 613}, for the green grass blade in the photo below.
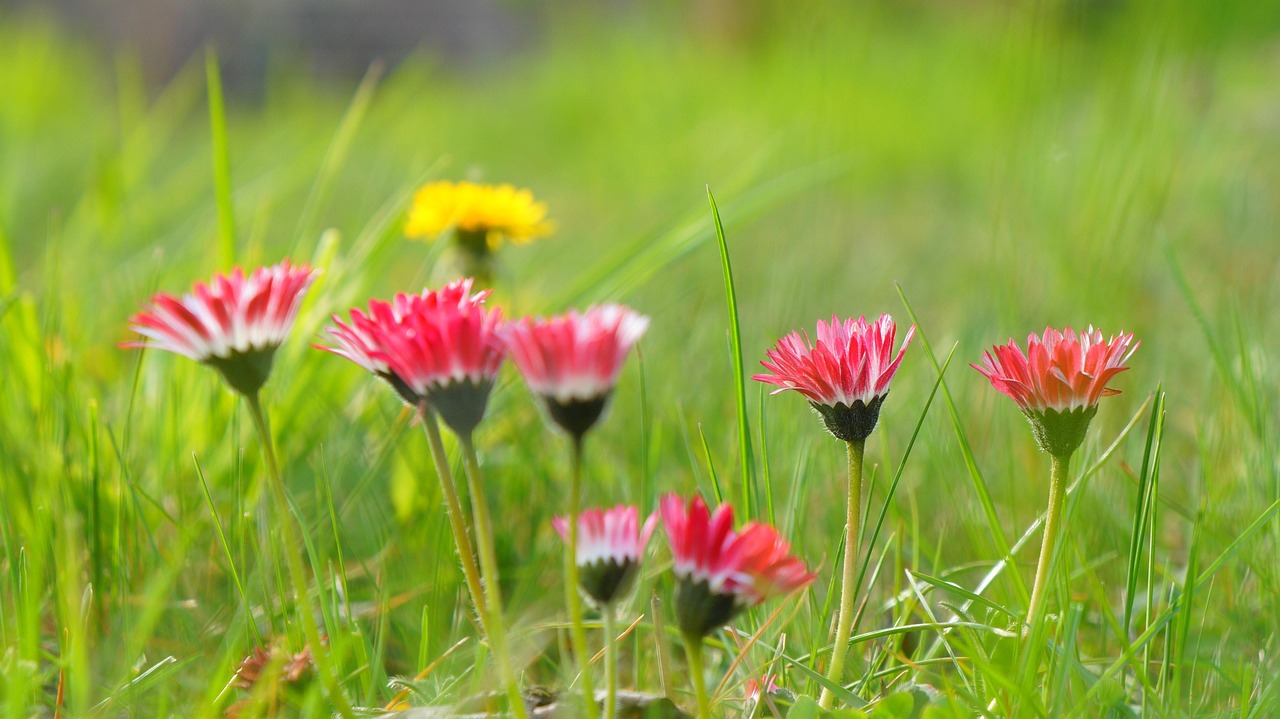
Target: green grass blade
{"x": 1142, "y": 516}
{"x": 994, "y": 531}
{"x": 334, "y": 157}
{"x": 221, "y": 161}
{"x": 739, "y": 372}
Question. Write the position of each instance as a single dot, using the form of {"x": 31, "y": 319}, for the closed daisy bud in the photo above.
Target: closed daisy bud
{"x": 233, "y": 324}
{"x": 611, "y": 543}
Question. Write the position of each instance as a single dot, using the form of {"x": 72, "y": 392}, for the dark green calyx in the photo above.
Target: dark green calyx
{"x": 403, "y": 391}
{"x": 700, "y": 611}
{"x": 606, "y": 580}
{"x": 850, "y": 423}
{"x": 577, "y": 415}
{"x": 1060, "y": 433}
{"x": 461, "y": 404}
{"x": 246, "y": 372}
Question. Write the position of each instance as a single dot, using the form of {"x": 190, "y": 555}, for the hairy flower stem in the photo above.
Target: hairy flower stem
{"x": 489, "y": 568}
{"x": 693, "y": 649}
{"x": 848, "y": 590}
{"x": 1052, "y": 528}
{"x": 294, "y": 552}
{"x": 457, "y": 519}
{"x": 610, "y": 663}
{"x": 571, "y": 594}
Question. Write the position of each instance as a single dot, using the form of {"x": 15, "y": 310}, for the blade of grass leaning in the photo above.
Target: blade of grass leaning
{"x": 1221, "y": 359}
{"x": 221, "y": 161}
{"x": 1144, "y": 508}
{"x": 1166, "y": 615}
{"x": 711, "y": 466}
{"x": 994, "y": 531}
{"x": 902, "y": 465}
{"x": 334, "y": 158}
{"x": 1187, "y": 597}
{"x": 765, "y": 474}
{"x": 226, "y": 551}
{"x": 745, "y": 453}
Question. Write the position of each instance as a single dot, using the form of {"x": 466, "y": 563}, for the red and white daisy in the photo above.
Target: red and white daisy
{"x": 611, "y": 543}
{"x": 845, "y": 375}
{"x": 363, "y": 340}
{"x": 234, "y": 323}
{"x": 448, "y": 352}
{"x": 1058, "y": 381}
{"x": 572, "y": 361}
{"x": 720, "y": 571}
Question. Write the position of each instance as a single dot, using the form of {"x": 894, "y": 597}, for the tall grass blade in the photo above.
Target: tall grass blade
{"x": 994, "y": 531}
{"x": 745, "y": 455}
{"x": 221, "y": 161}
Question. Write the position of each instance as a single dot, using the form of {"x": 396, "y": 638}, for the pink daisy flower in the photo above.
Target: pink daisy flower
{"x": 572, "y": 361}
{"x": 611, "y": 543}
{"x": 845, "y": 375}
{"x": 1058, "y": 381}
{"x": 449, "y": 353}
{"x": 234, "y": 323}
{"x": 362, "y": 340}
{"x": 721, "y": 572}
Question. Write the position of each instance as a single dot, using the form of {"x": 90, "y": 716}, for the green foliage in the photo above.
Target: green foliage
{"x": 1009, "y": 166}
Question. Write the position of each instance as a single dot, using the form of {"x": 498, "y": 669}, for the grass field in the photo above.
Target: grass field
{"x": 986, "y": 170}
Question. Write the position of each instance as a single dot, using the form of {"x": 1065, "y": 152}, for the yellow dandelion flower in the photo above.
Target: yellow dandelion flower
{"x": 489, "y": 212}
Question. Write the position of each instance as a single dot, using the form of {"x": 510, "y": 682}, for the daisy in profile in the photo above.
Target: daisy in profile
{"x": 845, "y": 376}
{"x": 363, "y": 339}
{"x": 721, "y": 572}
{"x": 441, "y": 351}
{"x": 1056, "y": 383}
{"x": 610, "y": 547}
{"x": 234, "y": 323}
{"x": 571, "y": 363}
{"x": 480, "y": 217}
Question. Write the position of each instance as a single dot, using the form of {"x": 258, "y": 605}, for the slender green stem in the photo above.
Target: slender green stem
{"x": 693, "y": 649}
{"x": 457, "y": 519}
{"x": 572, "y": 598}
{"x": 610, "y": 663}
{"x": 489, "y": 569}
{"x": 848, "y": 583}
{"x": 294, "y": 553}
{"x": 1052, "y": 530}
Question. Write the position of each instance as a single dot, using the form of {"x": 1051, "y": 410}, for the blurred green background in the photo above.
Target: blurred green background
{"x": 1008, "y": 165}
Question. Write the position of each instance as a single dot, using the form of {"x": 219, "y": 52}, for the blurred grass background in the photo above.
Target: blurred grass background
{"x": 1008, "y": 165}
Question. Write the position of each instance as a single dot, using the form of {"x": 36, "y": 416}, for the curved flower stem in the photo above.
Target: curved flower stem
{"x": 572, "y": 598}
{"x": 457, "y": 519}
{"x": 1052, "y": 530}
{"x": 844, "y": 624}
{"x": 610, "y": 663}
{"x": 295, "y": 554}
{"x": 693, "y": 649}
{"x": 489, "y": 568}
